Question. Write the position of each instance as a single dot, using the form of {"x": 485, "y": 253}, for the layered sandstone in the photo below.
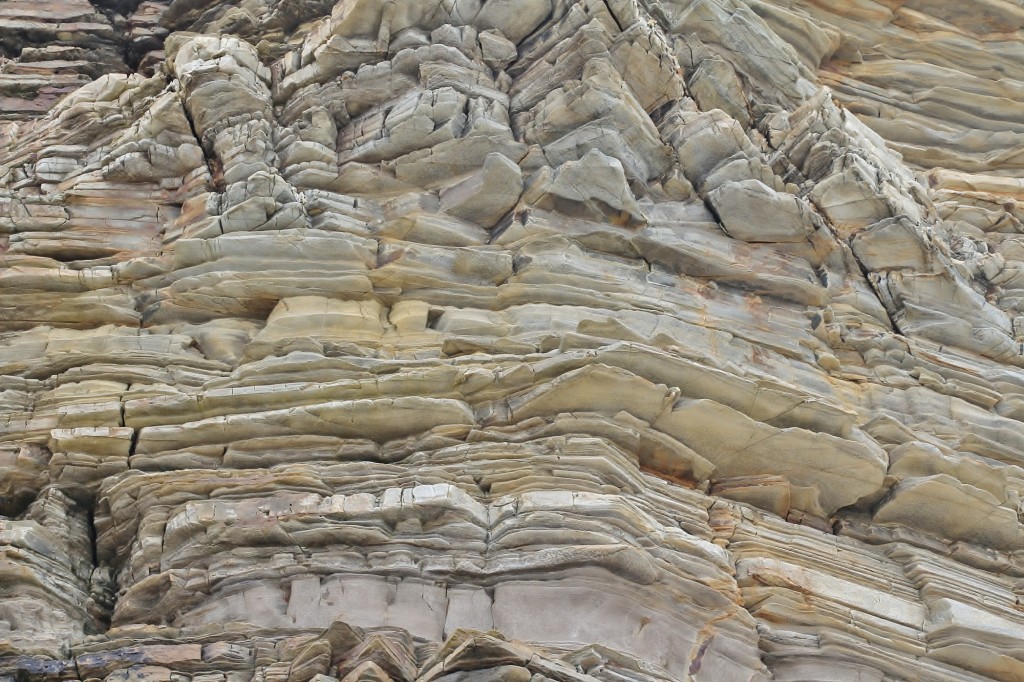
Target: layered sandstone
{"x": 511, "y": 340}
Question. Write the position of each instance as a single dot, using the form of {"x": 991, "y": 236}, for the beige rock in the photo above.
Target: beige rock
{"x": 752, "y": 212}
{"x": 594, "y": 188}
{"x": 486, "y": 196}
{"x": 714, "y": 85}
{"x": 352, "y": 340}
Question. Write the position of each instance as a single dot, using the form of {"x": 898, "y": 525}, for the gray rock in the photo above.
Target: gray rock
{"x": 751, "y": 211}
{"x": 406, "y": 341}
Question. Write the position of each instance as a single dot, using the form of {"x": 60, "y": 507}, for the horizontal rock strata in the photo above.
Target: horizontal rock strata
{"x": 522, "y": 340}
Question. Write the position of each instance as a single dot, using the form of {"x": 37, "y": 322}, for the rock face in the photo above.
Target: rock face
{"x": 511, "y": 340}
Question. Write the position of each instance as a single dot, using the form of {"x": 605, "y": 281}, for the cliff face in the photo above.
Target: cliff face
{"x": 523, "y": 340}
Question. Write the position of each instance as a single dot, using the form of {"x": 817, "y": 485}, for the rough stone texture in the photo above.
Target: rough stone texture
{"x": 511, "y": 340}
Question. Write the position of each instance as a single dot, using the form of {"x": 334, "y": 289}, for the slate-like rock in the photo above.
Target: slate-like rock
{"x": 519, "y": 340}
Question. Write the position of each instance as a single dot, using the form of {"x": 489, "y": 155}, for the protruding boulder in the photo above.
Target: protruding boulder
{"x": 753, "y": 212}
{"x": 487, "y": 195}
{"x": 594, "y": 188}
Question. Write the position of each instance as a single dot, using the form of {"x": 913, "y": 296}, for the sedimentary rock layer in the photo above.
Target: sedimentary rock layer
{"x": 511, "y": 340}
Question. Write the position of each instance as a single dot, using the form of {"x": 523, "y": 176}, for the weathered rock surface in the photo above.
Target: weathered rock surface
{"x": 494, "y": 340}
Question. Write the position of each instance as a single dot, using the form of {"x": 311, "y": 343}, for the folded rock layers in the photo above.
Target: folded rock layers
{"x": 574, "y": 340}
